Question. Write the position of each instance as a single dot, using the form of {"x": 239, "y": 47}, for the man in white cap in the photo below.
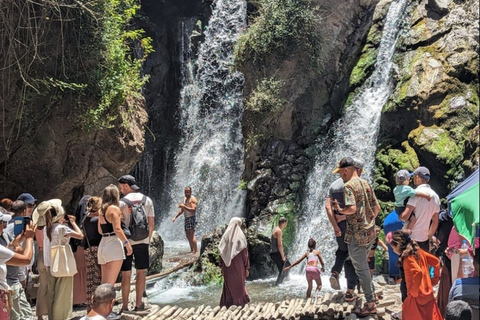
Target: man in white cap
{"x": 425, "y": 211}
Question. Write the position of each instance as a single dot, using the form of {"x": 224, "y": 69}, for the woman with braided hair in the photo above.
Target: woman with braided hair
{"x": 420, "y": 302}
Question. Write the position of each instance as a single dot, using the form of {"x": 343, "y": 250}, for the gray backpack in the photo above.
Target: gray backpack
{"x": 138, "y": 221}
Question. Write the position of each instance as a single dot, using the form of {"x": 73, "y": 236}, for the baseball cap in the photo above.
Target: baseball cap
{"x": 358, "y": 164}
{"x": 130, "y": 180}
{"x": 402, "y": 175}
{"x": 345, "y": 162}
{"x": 4, "y": 216}
{"x": 27, "y": 198}
{"x": 422, "y": 172}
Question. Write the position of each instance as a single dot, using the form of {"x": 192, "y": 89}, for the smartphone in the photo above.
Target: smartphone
{"x": 20, "y": 224}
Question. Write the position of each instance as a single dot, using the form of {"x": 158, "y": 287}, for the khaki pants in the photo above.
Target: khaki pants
{"x": 42, "y": 288}
{"x": 21, "y": 309}
{"x": 59, "y": 297}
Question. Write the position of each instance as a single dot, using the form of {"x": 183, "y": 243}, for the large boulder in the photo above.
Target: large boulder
{"x": 156, "y": 251}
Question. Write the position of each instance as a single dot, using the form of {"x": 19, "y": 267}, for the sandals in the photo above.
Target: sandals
{"x": 366, "y": 310}
{"x": 349, "y": 296}
{"x": 142, "y": 307}
{"x": 334, "y": 281}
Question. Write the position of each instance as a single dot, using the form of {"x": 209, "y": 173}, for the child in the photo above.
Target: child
{"x": 402, "y": 193}
{"x": 312, "y": 271}
{"x": 371, "y": 253}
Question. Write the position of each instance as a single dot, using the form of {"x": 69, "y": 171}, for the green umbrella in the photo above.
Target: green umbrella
{"x": 464, "y": 207}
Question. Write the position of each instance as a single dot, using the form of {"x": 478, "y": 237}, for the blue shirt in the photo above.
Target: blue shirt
{"x": 465, "y": 288}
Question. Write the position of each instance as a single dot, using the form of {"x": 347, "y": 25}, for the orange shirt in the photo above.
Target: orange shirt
{"x": 420, "y": 303}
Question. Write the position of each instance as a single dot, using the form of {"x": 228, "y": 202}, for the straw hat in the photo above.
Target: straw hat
{"x": 38, "y": 215}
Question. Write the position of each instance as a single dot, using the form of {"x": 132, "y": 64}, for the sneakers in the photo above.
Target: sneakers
{"x": 334, "y": 281}
{"x": 350, "y": 296}
{"x": 114, "y": 316}
{"x": 366, "y": 310}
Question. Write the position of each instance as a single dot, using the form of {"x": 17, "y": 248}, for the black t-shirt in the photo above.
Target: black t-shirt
{"x": 91, "y": 232}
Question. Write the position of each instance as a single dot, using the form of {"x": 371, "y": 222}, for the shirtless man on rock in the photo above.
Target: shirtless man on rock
{"x": 188, "y": 207}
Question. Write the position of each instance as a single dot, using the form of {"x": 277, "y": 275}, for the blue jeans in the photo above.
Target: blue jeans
{"x": 358, "y": 255}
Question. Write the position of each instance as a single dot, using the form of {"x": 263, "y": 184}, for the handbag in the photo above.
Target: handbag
{"x": 62, "y": 261}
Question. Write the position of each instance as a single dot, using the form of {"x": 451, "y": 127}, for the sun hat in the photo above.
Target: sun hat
{"x": 38, "y": 215}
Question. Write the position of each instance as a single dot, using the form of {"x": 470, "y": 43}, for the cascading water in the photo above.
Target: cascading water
{"x": 354, "y": 135}
{"x": 210, "y": 154}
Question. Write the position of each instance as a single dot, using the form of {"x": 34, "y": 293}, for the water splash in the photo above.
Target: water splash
{"x": 210, "y": 154}
{"x": 354, "y": 135}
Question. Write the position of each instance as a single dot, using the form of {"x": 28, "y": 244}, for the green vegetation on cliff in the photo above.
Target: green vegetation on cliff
{"x": 281, "y": 27}
{"x": 85, "y": 58}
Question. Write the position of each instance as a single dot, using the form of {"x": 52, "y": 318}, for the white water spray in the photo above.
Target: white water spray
{"x": 355, "y": 135}
{"x": 210, "y": 154}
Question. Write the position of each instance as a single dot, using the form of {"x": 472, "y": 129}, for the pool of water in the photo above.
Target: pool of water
{"x": 175, "y": 291}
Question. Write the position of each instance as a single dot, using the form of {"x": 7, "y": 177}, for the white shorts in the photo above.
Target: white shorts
{"x": 110, "y": 249}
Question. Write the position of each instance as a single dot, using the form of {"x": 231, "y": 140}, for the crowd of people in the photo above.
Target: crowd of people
{"x": 352, "y": 209}
{"x": 107, "y": 234}
{"x": 78, "y": 257}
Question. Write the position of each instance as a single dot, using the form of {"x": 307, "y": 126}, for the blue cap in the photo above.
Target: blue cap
{"x": 27, "y": 198}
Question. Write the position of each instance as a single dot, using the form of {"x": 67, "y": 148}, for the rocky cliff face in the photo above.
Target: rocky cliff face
{"x": 431, "y": 118}
{"x": 279, "y": 158}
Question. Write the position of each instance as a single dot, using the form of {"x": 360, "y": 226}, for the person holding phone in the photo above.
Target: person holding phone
{"x": 16, "y": 276}
{"x": 13, "y": 255}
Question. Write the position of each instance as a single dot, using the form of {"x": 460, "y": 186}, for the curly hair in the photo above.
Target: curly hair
{"x": 407, "y": 246}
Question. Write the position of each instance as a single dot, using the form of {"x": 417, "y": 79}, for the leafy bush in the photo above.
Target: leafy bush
{"x": 266, "y": 98}
{"x": 281, "y": 26}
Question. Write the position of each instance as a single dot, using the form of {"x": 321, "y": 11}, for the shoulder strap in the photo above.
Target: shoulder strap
{"x": 144, "y": 199}
{"x": 128, "y": 202}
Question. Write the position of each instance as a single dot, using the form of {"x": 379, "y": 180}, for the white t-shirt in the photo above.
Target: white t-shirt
{"x": 136, "y": 197}
{"x": 424, "y": 211}
{"x": 5, "y": 255}
{"x": 55, "y": 240}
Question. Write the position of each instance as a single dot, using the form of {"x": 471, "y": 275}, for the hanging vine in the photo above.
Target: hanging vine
{"x": 86, "y": 54}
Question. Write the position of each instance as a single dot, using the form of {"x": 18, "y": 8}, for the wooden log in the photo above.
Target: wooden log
{"x": 338, "y": 310}
{"x": 326, "y": 298}
{"x": 168, "y": 313}
{"x": 199, "y": 310}
{"x": 331, "y": 309}
{"x": 279, "y": 311}
{"x": 348, "y": 310}
{"x": 212, "y": 313}
{"x": 256, "y": 313}
{"x": 306, "y": 306}
{"x": 386, "y": 303}
{"x": 298, "y": 309}
{"x": 267, "y": 311}
{"x": 155, "y": 314}
{"x": 239, "y": 315}
{"x": 189, "y": 312}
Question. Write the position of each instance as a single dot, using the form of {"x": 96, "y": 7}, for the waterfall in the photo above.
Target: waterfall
{"x": 210, "y": 154}
{"x": 354, "y": 135}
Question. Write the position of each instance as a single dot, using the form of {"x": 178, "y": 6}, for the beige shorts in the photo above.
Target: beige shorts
{"x": 110, "y": 249}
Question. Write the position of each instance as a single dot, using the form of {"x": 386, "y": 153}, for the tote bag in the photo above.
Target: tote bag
{"x": 62, "y": 261}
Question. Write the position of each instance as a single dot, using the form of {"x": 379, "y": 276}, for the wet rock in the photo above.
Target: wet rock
{"x": 156, "y": 251}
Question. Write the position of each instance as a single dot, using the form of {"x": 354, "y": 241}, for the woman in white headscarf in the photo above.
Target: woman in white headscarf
{"x": 235, "y": 265}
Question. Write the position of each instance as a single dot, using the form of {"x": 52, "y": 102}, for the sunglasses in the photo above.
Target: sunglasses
{"x": 30, "y": 205}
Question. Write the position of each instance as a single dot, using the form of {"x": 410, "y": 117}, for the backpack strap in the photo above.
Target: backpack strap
{"x": 128, "y": 202}
{"x": 144, "y": 200}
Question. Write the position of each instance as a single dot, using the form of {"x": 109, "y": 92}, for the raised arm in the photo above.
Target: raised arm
{"x": 78, "y": 234}
{"x": 23, "y": 259}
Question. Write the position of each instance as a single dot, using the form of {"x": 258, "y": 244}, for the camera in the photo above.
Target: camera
{"x": 20, "y": 224}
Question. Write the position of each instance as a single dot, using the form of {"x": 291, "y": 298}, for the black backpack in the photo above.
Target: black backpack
{"x": 138, "y": 221}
